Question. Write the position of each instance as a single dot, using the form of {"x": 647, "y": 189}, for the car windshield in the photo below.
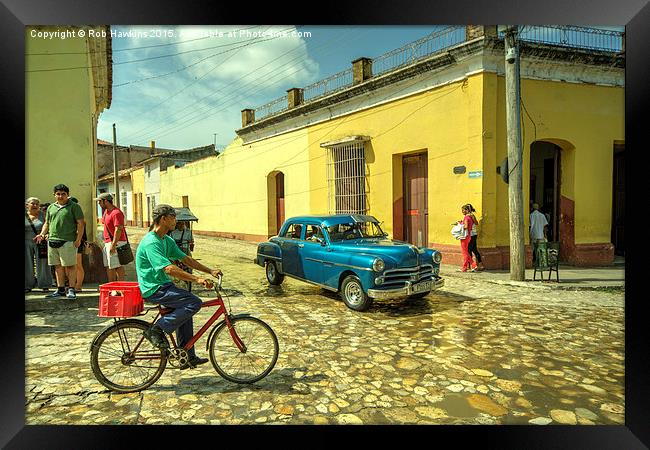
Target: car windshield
{"x": 354, "y": 230}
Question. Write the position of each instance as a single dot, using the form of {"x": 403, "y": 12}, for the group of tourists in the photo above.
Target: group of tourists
{"x": 55, "y": 238}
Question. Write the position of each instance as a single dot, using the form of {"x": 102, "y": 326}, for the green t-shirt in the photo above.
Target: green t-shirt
{"x": 151, "y": 258}
{"x": 62, "y": 223}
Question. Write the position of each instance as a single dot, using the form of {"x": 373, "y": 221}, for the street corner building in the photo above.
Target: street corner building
{"x": 68, "y": 83}
{"x": 411, "y": 135}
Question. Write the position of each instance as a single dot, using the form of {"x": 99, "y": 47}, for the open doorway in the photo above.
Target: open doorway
{"x": 545, "y": 184}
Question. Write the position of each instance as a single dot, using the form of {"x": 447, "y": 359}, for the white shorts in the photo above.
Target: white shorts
{"x": 65, "y": 255}
{"x": 111, "y": 260}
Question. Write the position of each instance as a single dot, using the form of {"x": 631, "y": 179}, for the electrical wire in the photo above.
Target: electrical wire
{"x": 197, "y": 115}
{"x": 311, "y": 159}
{"x": 249, "y": 42}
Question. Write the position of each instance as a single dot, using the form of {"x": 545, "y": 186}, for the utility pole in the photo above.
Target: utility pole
{"x": 115, "y": 167}
{"x": 515, "y": 190}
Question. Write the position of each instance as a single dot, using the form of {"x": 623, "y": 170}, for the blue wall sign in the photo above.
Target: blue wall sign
{"x": 476, "y": 174}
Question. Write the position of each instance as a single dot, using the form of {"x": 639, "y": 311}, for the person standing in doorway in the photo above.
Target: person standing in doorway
{"x": 63, "y": 229}
{"x": 538, "y": 228}
{"x": 114, "y": 236}
{"x": 473, "y": 245}
{"x": 538, "y": 225}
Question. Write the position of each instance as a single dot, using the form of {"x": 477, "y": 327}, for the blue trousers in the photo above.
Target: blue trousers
{"x": 185, "y": 305}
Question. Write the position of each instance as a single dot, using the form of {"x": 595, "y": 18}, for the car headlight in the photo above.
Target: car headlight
{"x": 378, "y": 265}
{"x": 437, "y": 257}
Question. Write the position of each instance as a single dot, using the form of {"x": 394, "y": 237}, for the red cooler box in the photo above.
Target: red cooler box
{"x": 127, "y": 303}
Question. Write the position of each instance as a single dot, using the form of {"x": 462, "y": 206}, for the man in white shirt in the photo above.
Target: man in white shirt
{"x": 538, "y": 225}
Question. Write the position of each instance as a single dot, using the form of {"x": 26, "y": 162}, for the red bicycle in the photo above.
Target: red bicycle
{"x": 243, "y": 349}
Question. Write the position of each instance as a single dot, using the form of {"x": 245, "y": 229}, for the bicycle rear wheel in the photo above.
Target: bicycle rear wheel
{"x": 257, "y": 359}
{"x": 123, "y": 360}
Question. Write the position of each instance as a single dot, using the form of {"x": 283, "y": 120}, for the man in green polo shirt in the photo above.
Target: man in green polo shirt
{"x": 153, "y": 265}
{"x": 64, "y": 227}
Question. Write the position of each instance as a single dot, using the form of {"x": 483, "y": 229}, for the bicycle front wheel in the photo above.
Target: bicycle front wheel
{"x": 123, "y": 360}
{"x": 257, "y": 357}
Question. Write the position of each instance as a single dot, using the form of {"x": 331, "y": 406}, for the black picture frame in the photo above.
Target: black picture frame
{"x": 16, "y": 14}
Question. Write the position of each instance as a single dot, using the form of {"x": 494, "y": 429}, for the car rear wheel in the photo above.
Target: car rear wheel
{"x": 353, "y": 295}
{"x": 272, "y": 274}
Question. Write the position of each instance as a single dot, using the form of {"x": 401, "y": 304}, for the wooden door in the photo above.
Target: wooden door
{"x": 415, "y": 175}
{"x": 279, "y": 205}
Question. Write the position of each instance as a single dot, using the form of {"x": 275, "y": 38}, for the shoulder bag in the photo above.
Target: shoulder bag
{"x": 124, "y": 252}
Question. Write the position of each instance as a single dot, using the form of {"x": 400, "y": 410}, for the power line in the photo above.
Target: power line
{"x": 167, "y": 56}
{"x": 367, "y": 113}
{"x": 196, "y": 79}
{"x": 186, "y": 119}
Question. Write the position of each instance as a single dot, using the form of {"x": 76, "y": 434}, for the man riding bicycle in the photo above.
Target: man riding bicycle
{"x": 153, "y": 263}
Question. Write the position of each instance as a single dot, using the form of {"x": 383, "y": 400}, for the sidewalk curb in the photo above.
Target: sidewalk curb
{"x": 33, "y": 303}
{"x": 547, "y": 285}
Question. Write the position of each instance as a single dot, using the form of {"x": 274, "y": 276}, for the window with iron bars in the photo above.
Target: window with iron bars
{"x": 346, "y": 179}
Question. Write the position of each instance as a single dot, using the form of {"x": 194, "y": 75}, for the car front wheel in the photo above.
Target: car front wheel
{"x": 272, "y": 274}
{"x": 353, "y": 295}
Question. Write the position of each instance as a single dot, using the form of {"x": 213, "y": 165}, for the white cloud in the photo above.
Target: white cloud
{"x": 218, "y": 87}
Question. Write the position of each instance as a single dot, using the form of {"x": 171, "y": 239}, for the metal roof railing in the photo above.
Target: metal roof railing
{"x": 329, "y": 85}
{"x": 433, "y": 43}
{"x": 572, "y": 36}
{"x": 274, "y": 107}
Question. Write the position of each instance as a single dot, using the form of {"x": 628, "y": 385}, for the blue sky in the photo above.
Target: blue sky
{"x": 181, "y": 101}
{"x": 179, "y": 85}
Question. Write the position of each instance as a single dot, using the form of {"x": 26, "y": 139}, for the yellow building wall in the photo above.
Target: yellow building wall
{"x": 229, "y": 193}
{"x": 444, "y": 122}
{"x": 59, "y": 135}
{"x": 458, "y": 124}
{"x": 584, "y": 120}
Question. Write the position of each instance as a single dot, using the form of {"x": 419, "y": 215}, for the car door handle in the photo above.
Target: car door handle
{"x": 301, "y": 245}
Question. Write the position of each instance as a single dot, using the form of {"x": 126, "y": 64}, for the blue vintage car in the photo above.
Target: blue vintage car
{"x": 349, "y": 254}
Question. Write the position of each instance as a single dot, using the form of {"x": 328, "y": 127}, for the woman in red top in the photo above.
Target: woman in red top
{"x": 468, "y": 223}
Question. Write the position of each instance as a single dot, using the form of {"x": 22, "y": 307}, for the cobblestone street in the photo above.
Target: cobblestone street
{"x": 474, "y": 352}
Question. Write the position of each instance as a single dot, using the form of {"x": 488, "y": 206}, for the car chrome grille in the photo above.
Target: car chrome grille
{"x": 397, "y": 278}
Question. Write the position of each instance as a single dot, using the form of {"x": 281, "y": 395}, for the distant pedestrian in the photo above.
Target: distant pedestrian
{"x": 464, "y": 243}
{"x": 35, "y": 254}
{"x": 538, "y": 228}
{"x": 80, "y": 252}
{"x": 473, "y": 245}
{"x": 114, "y": 236}
{"x": 63, "y": 229}
{"x": 538, "y": 225}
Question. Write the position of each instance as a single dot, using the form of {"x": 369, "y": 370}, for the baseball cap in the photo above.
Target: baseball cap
{"x": 163, "y": 210}
{"x": 104, "y": 196}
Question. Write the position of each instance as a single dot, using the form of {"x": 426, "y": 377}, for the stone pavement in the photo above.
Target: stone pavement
{"x": 475, "y": 352}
